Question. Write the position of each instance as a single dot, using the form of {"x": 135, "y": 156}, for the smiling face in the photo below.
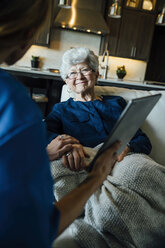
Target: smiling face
{"x": 81, "y": 79}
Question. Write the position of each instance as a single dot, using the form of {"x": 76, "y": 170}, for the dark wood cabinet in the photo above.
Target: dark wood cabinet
{"x": 45, "y": 90}
{"x": 135, "y": 35}
{"x": 131, "y": 35}
{"x": 112, "y": 38}
{"x": 128, "y": 34}
{"x": 155, "y": 67}
{"x": 144, "y": 39}
{"x": 44, "y": 38}
{"x": 159, "y": 5}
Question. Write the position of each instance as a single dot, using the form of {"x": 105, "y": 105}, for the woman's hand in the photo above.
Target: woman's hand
{"x": 123, "y": 154}
{"x": 75, "y": 159}
{"x": 60, "y": 146}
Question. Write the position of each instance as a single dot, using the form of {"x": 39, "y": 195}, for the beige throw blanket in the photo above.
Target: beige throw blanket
{"x": 127, "y": 211}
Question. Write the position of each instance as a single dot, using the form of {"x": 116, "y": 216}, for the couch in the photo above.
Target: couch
{"x": 153, "y": 126}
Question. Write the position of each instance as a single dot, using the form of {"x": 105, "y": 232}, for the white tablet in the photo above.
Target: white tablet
{"x": 128, "y": 123}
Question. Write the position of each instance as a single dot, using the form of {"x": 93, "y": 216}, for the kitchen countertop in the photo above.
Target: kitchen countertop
{"x": 135, "y": 84}
{"x": 45, "y": 73}
{"x": 36, "y": 72}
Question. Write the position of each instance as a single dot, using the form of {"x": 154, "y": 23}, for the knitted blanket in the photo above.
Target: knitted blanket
{"x": 64, "y": 179}
{"x": 127, "y": 211}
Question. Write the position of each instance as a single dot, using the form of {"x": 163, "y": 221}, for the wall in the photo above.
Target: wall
{"x": 135, "y": 68}
{"x": 61, "y": 40}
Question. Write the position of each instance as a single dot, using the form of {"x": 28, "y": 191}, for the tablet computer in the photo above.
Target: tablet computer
{"x": 128, "y": 123}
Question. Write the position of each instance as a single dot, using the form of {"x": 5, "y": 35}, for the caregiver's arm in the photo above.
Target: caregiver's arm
{"x": 72, "y": 204}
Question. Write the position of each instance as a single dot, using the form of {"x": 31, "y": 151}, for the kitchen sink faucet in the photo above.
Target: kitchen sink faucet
{"x": 106, "y": 54}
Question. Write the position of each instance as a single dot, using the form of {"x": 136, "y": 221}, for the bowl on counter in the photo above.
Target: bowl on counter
{"x": 54, "y": 70}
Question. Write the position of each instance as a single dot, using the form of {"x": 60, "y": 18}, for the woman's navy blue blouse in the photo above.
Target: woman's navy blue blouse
{"x": 90, "y": 122}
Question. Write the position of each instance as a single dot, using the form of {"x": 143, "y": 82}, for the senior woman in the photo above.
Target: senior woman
{"x": 86, "y": 119}
{"x": 128, "y": 209}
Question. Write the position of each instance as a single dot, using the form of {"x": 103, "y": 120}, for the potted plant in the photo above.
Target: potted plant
{"x": 35, "y": 61}
{"x": 121, "y": 72}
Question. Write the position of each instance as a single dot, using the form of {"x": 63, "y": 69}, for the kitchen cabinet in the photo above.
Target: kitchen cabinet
{"x": 135, "y": 35}
{"x": 40, "y": 84}
{"x": 131, "y": 35}
{"x": 155, "y": 66}
{"x": 159, "y": 5}
{"x": 44, "y": 38}
{"x": 112, "y": 38}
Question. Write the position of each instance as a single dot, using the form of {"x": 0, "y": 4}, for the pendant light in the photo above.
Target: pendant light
{"x": 65, "y": 4}
{"x": 115, "y": 10}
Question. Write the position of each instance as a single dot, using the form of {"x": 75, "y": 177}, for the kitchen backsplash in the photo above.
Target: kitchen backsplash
{"x": 135, "y": 68}
{"x": 62, "y": 40}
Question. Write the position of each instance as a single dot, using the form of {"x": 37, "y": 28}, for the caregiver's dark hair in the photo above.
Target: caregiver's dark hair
{"x": 18, "y": 17}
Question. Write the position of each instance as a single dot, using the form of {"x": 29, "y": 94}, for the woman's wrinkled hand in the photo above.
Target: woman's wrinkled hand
{"x": 75, "y": 159}
{"x": 123, "y": 154}
{"x": 59, "y": 146}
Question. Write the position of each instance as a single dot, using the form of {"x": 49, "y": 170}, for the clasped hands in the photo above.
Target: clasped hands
{"x": 72, "y": 152}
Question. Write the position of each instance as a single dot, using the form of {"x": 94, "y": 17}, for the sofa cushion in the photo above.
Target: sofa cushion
{"x": 154, "y": 125}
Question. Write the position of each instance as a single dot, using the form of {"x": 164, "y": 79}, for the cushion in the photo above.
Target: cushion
{"x": 154, "y": 125}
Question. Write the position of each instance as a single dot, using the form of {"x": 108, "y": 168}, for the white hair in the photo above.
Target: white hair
{"x": 75, "y": 56}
